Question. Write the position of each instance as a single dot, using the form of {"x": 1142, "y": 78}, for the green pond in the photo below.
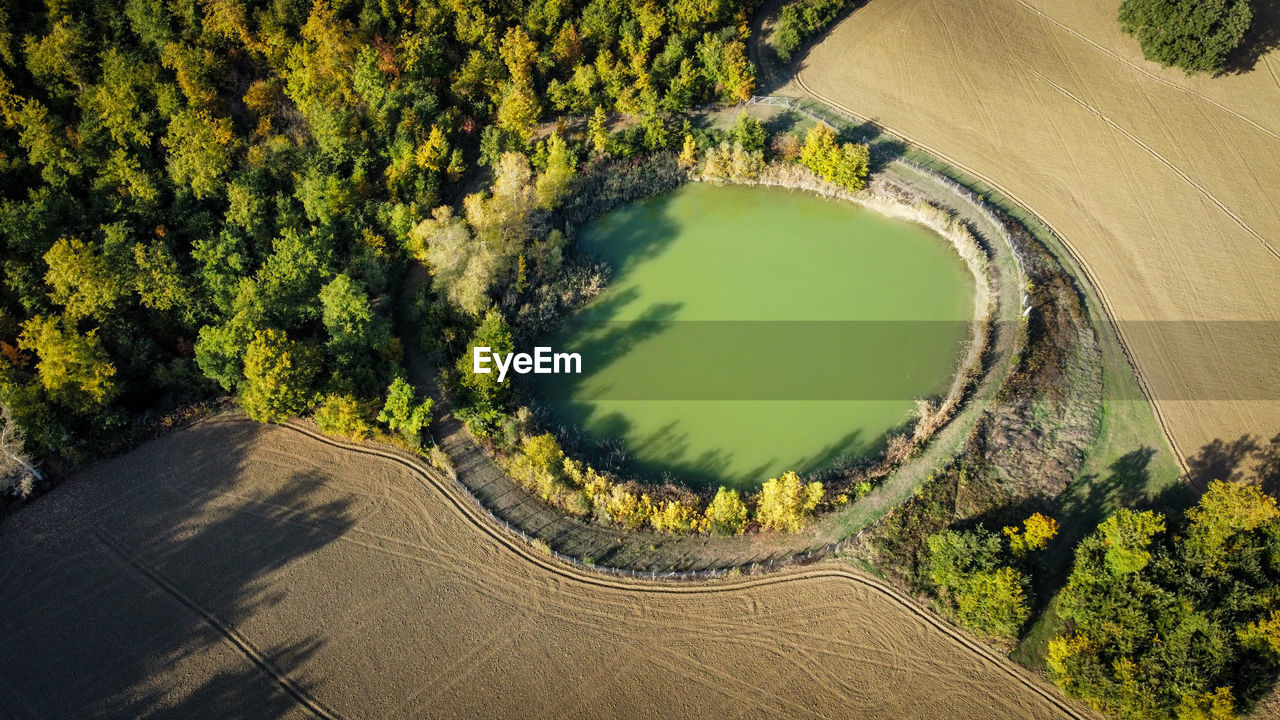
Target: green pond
{"x": 749, "y": 331}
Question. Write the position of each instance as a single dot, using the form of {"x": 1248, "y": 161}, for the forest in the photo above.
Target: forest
{"x": 203, "y": 197}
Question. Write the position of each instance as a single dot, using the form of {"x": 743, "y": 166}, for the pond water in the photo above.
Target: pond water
{"x": 749, "y": 331}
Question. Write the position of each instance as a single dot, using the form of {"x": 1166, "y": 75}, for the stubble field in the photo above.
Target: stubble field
{"x": 238, "y": 570}
{"x": 1164, "y": 186}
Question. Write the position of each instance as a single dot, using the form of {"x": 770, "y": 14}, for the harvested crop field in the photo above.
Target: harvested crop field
{"x": 239, "y": 570}
{"x": 1163, "y": 185}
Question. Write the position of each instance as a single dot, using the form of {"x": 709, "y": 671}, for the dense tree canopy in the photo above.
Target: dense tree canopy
{"x": 195, "y": 193}
{"x": 1179, "y": 624}
{"x": 1195, "y": 35}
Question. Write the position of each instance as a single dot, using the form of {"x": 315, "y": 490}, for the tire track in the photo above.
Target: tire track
{"x": 239, "y": 642}
{"x": 471, "y": 512}
{"x": 1089, "y": 273}
{"x": 1135, "y": 66}
{"x": 1154, "y": 153}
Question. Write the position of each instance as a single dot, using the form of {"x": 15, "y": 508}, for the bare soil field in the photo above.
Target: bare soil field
{"x": 1164, "y": 186}
{"x": 239, "y": 570}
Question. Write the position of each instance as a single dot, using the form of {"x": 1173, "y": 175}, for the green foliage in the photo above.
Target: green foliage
{"x": 206, "y": 171}
{"x": 786, "y": 503}
{"x": 982, "y": 592}
{"x": 845, "y": 165}
{"x": 278, "y": 377}
{"x": 1179, "y": 625}
{"x": 798, "y": 21}
{"x": 344, "y": 415}
{"x": 553, "y": 183}
{"x": 199, "y": 151}
{"x": 1128, "y": 536}
{"x": 748, "y": 132}
{"x": 1195, "y": 35}
{"x": 993, "y": 602}
{"x": 84, "y": 280}
{"x": 483, "y": 389}
{"x": 403, "y": 414}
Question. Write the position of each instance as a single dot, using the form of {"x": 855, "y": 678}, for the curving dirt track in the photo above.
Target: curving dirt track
{"x": 1164, "y": 186}
{"x": 237, "y": 570}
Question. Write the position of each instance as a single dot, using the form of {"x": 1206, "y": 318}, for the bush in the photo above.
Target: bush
{"x": 981, "y": 593}
{"x": 278, "y": 374}
{"x": 674, "y": 516}
{"x": 799, "y": 21}
{"x": 845, "y": 165}
{"x": 403, "y": 415}
{"x": 538, "y": 465}
{"x": 786, "y": 503}
{"x": 726, "y": 514}
{"x": 344, "y": 415}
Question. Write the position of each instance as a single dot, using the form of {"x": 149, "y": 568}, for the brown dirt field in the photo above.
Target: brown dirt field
{"x": 239, "y": 570}
{"x": 1164, "y": 186}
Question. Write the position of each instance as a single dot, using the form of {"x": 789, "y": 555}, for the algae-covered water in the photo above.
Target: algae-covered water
{"x": 749, "y": 331}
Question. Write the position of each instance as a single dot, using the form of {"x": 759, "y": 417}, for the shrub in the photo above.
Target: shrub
{"x": 786, "y": 503}
{"x": 344, "y": 415}
{"x": 278, "y": 374}
{"x": 845, "y": 165}
{"x": 973, "y": 585}
{"x": 676, "y": 517}
{"x": 993, "y": 602}
{"x": 798, "y": 21}
{"x": 1037, "y": 531}
{"x": 538, "y": 465}
{"x": 628, "y": 509}
{"x": 748, "y": 132}
{"x": 726, "y": 514}
{"x": 732, "y": 162}
{"x": 403, "y": 415}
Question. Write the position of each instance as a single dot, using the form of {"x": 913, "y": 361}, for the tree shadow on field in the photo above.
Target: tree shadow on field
{"x": 775, "y": 73}
{"x": 129, "y": 587}
{"x": 1262, "y": 38}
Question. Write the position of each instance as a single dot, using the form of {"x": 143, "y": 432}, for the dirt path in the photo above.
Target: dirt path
{"x": 1163, "y": 186}
{"x": 235, "y": 570}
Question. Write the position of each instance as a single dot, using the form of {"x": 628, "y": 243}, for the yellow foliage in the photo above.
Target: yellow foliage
{"x": 1216, "y": 705}
{"x": 628, "y": 510}
{"x": 1061, "y": 650}
{"x": 676, "y": 517}
{"x": 434, "y": 153}
{"x": 1038, "y": 531}
{"x": 1263, "y": 635}
{"x": 689, "y": 152}
{"x": 1225, "y": 510}
{"x": 344, "y": 415}
{"x": 726, "y": 514}
{"x": 786, "y": 503}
